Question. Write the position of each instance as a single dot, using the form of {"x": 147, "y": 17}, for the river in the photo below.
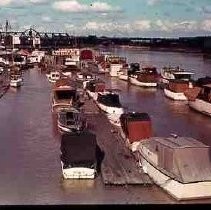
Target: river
{"x": 30, "y": 146}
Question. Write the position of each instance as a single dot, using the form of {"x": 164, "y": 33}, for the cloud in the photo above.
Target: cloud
{"x": 46, "y": 19}
{"x": 21, "y": 2}
{"x": 75, "y": 6}
{"x": 206, "y": 25}
{"x": 153, "y": 2}
{"x": 5, "y": 2}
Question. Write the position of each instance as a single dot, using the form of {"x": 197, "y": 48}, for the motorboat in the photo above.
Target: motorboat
{"x": 135, "y": 126}
{"x": 179, "y": 165}
{"x": 93, "y": 87}
{"x": 147, "y": 77}
{"x": 70, "y": 120}
{"x": 116, "y": 64}
{"x": 176, "y": 89}
{"x": 78, "y": 155}
{"x": 15, "y": 80}
{"x": 64, "y": 95}
{"x": 199, "y": 99}
{"x": 171, "y": 73}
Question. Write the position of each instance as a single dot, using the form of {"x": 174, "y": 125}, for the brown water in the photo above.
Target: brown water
{"x": 30, "y": 147}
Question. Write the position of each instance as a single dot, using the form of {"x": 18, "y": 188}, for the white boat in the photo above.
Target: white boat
{"x": 171, "y": 73}
{"x": 78, "y": 155}
{"x": 66, "y": 72}
{"x": 174, "y": 95}
{"x": 53, "y": 76}
{"x": 199, "y": 99}
{"x": 181, "y": 166}
{"x": 135, "y": 127}
{"x": 109, "y": 103}
{"x": 16, "y": 81}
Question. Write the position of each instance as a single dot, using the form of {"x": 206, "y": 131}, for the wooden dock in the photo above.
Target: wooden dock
{"x": 119, "y": 166}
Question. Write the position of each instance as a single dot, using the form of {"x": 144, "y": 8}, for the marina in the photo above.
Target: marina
{"x": 36, "y": 134}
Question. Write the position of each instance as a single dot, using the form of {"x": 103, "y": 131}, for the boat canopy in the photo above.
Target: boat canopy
{"x": 183, "y": 158}
{"x": 78, "y": 148}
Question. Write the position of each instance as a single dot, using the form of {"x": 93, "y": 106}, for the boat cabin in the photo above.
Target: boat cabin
{"x": 181, "y": 158}
{"x": 185, "y": 75}
{"x": 205, "y": 93}
{"x": 109, "y": 99}
{"x": 96, "y": 86}
{"x": 179, "y": 86}
{"x": 136, "y": 126}
{"x": 134, "y": 67}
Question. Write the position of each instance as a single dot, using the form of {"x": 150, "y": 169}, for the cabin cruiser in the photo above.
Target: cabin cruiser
{"x": 135, "y": 127}
{"x": 64, "y": 96}
{"x": 199, "y": 99}
{"x": 15, "y": 80}
{"x": 179, "y": 165}
{"x": 78, "y": 155}
{"x": 147, "y": 77}
{"x": 170, "y": 73}
{"x": 53, "y": 76}
{"x": 93, "y": 87}
{"x": 176, "y": 89}
{"x": 70, "y": 120}
{"x": 84, "y": 78}
{"x": 109, "y": 102}
{"x": 66, "y": 72}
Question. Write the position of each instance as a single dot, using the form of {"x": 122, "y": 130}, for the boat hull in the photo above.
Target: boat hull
{"x": 134, "y": 81}
{"x": 175, "y": 96}
{"x": 78, "y": 173}
{"x": 110, "y": 110}
{"x": 15, "y": 83}
{"x": 123, "y": 77}
{"x": 179, "y": 191}
{"x": 201, "y": 106}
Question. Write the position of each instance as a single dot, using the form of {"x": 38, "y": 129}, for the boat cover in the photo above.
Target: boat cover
{"x": 183, "y": 158}
{"x": 110, "y": 99}
{"x": 78, "y": 148}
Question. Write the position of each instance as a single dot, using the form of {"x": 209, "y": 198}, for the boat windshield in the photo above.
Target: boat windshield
{"x": 183, "y": 76}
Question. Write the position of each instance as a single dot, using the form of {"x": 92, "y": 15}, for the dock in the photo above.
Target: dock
{"x": 119, "y": 166}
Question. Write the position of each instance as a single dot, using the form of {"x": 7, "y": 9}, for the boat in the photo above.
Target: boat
{"x": 53, "y": 76}
{"x": 176, "y": 89}
{"x": 64, "y": 96}
{"x": 147, "y": 77}
{"x": 93, "y": 87}
{"x": 179, "y": 165}
{"x": 123, "y": 73}
{"x": 135, "y": 127}
{"x": 70, "y": 120}
{"x": 108, "y": 102}
{"x": 199, "y": 99}
{"x": 84, "y": 78}
{"x": 15, "y": 80}
{"x": 171, "y": 73}
{"x": 78, "y": 155}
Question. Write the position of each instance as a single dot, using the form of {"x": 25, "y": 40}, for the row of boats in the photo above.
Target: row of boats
{"x": 178, "y": 84}
{"x": 170, "y": 162}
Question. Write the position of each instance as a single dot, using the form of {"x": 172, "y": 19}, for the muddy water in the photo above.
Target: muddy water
{"x": 30, "y": 146}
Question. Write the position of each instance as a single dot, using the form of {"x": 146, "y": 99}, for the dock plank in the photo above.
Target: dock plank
{"x": 119, "y": 166}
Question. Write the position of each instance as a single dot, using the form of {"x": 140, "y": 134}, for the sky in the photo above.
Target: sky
{"x": 118, "y": 18}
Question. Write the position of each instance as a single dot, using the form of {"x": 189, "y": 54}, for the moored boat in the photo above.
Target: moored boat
{"x": 180, "y": 165}
{"x": 176, "y": 89}
{"x": 64, "y": 96}
{"x": 53, "y": 76}
{"x": 147, "y": 77}
{"x": 78, "y": 155}
{"x": 123, "y": 73}
{"x": 15, "y": 80}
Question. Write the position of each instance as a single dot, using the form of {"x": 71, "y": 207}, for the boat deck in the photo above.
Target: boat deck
{"x": 119, "y": 166}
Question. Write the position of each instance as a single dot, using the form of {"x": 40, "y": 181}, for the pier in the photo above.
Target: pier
{"x": 119, "y": 166}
